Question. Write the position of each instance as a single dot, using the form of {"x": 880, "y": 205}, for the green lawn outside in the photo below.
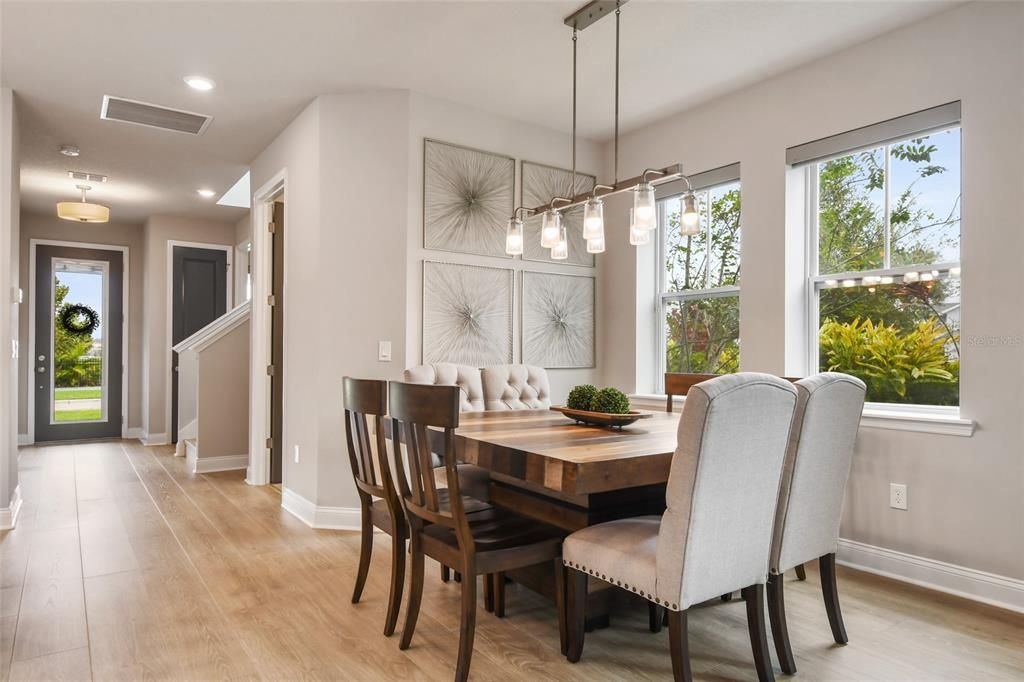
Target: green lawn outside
{"x": 80, "y": 393}
{"x": 77, "y": 415}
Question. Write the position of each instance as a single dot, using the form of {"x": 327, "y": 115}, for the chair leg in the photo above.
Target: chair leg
{"x": 499, "y": 594}
{"x": 467, "y": 626}
{"x": 489, "y": 593}
{"x": 679, "y": 646}
{"x": 456, "y": 576}
{"x": 576, "y": 589}
{"x": 726, "y": 597}
{"x": 365, "y": 552}
{"x": 560, "y": 605}
{"x": 801, "y": 572}
{"x": 397, "y": 581}
{"x": 777, "y": 617}
{"x": 412, "y": 609}
{"x": 754, "y": 596}
{"x": 829, "y": 589}
{"x": 654, "y": 617}
{"x": 446, "y": 573}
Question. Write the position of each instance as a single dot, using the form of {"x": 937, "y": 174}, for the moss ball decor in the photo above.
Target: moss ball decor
{"x": 610, "y": 401}
{"x": 581, "y": 397}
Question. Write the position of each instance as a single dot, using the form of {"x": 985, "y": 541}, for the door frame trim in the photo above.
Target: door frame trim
{"x": 229, "y": 275}
{"x": 125, "y": 314}
{"x": 260, "y": 399}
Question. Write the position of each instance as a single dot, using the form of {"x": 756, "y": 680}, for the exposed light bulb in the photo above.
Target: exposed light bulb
{"x": 593, "y": 221}
{"x": 560, "y": 251}
{"x": 595, "y": 245}
{"x": 514, "y": 237}
{"x": 637, "y": 236}
{"x": 551, "y": 225}
{"x": 644, "y": 212}
{"x": 690, "y": 220}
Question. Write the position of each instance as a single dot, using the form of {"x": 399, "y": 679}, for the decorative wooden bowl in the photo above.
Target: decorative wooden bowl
{"x": 602, "y": 418}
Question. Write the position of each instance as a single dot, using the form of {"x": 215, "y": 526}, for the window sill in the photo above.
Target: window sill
{"x": 944, "y": 421}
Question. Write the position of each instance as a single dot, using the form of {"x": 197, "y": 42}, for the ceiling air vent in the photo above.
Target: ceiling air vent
{"x": 153, "y": 116}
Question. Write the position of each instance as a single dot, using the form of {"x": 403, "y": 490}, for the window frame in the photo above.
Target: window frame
{"x": 817, "y": 281}
{"x": 713, "y": 179}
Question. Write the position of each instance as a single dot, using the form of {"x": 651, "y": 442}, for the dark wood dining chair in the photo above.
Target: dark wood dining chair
{"x": 366, "y": 400}
{"x": 452, "y": 528}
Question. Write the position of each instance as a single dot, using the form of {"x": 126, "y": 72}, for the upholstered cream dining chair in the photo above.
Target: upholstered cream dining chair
{"x": 515, "y": 387}
{"x": 814, "y": 480}
{"x": 715, "y": 534}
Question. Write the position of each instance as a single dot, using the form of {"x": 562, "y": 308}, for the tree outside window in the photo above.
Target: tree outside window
{"x": 888, "y": 242}
{"x": 700, "y": 294}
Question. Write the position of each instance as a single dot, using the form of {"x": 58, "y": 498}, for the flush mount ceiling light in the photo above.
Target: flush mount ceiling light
{"x": 200, "y": 83}
{"x": 644, "y": 215}
{"x": 205, "y": 193}
{"x": 69, "y": 150}
{"x": 82, "y": 211}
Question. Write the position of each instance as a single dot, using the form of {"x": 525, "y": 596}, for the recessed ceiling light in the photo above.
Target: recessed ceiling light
{"x": 199, "y": 83}
{"x": 70, "y": 150}
{"x": 207, "y": 193}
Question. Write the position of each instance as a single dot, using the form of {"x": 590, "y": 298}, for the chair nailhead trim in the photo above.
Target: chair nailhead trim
{"x": 619, "y": 583}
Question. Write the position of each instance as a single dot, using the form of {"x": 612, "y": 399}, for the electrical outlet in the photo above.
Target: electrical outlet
{"x": 898, "y": 496}
{"x": 384, "y": 351}
{"x": 296, "y": 454}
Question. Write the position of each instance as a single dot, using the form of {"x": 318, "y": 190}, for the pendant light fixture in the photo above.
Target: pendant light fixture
{"x": 644, "y": 214}
{"x": 82, "y": 211}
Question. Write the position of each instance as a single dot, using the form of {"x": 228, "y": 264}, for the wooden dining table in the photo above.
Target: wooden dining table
{"x": 548, "y": 467}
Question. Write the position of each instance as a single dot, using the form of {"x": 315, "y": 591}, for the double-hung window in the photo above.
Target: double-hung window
{"x": 699, "y": 278}
{"x": 884, "y": 230}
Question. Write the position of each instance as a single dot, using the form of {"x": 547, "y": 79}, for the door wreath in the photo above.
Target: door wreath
{"x": 79, "y": 320}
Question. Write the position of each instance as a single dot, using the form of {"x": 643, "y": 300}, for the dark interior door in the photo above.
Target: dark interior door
{"x": 199, "y": 296}
{"x": 77, "y": 359}
{"x": 277, "y": 345}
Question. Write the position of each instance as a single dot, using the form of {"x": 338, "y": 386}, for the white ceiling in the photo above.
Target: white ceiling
{"x": 270, "y": 59}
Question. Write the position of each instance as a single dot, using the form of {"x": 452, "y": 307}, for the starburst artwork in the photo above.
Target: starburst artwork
{"x": 467, "y": 314}
{"x": 558, "y": 320}
{"x": 540, "y": 184}
{"x": 467, "y": 199}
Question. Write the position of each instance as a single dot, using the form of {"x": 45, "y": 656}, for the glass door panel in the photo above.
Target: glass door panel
{"x": 79, "y": 348}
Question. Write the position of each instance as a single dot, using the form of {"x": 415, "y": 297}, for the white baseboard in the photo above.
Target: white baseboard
{"x": 154, "y": 438}
{"x": 332, "y": 518}
{"x": 25, "y": 439}
{"x": 988, "y": 588}
{"x": 207, "y": 465}
{"x": 134, "y": 432}
{"x": 9, "y": 515}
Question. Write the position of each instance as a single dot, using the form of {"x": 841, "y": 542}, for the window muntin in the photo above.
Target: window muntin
{"x": 700, "y": 275}
{"x": 886, "y": 304}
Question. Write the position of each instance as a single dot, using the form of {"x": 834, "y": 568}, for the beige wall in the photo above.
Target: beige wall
{"x": 297, "y": 152}
{"x": 222, "y": 395}
{"x": 350, "y": 243}
{"x": 9, "y": 311}
{"x": 965, "y": 494}
{"x": 36, "y": 226}
{"x": 157, "y": 232}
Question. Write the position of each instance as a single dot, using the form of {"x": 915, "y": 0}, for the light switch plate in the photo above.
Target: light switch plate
{"x": 384, "y": 351}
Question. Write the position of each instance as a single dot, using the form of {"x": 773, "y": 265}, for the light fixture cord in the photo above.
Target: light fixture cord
{"x": 618, "y": 14}
{"x": 572, "y": 190}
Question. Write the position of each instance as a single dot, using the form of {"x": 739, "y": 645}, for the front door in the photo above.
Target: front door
{"x": 199, "y": 296}
{"x": 77, "y": 359}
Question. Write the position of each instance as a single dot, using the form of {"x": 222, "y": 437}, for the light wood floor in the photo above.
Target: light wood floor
{"x": 125, "y": 567}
